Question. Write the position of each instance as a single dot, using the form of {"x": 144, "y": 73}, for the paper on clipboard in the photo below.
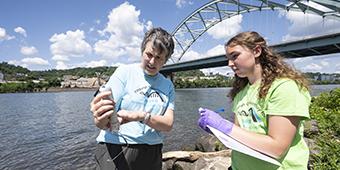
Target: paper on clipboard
{"x": 235, "y": 145}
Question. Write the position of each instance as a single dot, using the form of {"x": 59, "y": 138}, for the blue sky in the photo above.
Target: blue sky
{"x": 61, "y": 34}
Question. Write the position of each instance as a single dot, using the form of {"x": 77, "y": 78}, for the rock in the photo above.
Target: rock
{"x": 313, "y": 148}
{"x": 181, "y": 165}
{"x": 189, "y": 156}
{"x": 212, "y": 163}
{"x": 209, "y": 143}
{"x": 168, "y": 164}
{"x": 311, "y": 128}
{"x": 196, "y": 160}
{"x": 188, "y": 147}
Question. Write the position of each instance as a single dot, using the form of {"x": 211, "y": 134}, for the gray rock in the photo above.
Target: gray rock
{"x": 311, "y": 128}
{"x": 196, "y": 160}
{"x": 209, "y": 143}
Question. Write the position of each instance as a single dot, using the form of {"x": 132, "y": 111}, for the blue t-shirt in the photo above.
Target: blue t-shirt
{"x": 134, "y": 90}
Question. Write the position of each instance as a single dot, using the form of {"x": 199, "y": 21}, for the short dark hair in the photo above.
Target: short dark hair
{"x": 161, "y": 39}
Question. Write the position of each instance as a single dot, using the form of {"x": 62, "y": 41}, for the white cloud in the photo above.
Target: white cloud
{"x": 123, "y": 21}
{"x": 225, "y": 70}
{"x": 189, "y": 55}
{"x": 149, "y": 25}
{"x": 60, "y": 58}
{"x": 299, "y": 60}
{"x": 61, "y": 65}
{"x": 109, "y": 48}
{"x": 28, "y": 51}
{"x": 312, "y": 67}
{"x": 324, "y": 63}
{"x": 29, "y": 61}
{"x": 118, "y": 64}
{"x": 133, "y": 51}
{"x": 226, "y": 28}
{"x": 70, "y": 44}
{"x": 337, "y": 68}
{"x": 93, "y": 63}
{"x": 34, "y": 61}
{"x": 193, "y": 55}
{"x": 14, "y": 62}
{"x": 91, "y": 29}
{"x": 181, "y": 3}
{"x": 21, "y": 31}
{"x": 308, "y": 25}
{"x": 101, "y": 33}
{"x": 217, "y": 50}
{"x": 125, "y": 32}
{"x": 4, "y": 35}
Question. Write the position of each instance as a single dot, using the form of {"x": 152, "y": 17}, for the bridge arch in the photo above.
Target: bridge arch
{"x": 214, "y": 12}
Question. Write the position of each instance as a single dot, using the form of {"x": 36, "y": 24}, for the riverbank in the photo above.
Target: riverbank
{"x": 58, "y": 89}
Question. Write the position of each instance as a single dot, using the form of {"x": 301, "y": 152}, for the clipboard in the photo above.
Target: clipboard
{"x": 237, "y": 146}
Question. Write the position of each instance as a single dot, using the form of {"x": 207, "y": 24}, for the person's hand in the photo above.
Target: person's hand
{"x": 102, "y": 109}
{"x": 214, "y": 120}
{"x": 125, "y": 116}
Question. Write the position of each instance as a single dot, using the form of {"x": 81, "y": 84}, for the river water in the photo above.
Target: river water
{"x": 56, "y": 130}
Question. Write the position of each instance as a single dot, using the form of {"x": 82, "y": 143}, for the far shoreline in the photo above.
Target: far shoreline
{"x": 58, "y": 89}
{"x": 79, "y": 89}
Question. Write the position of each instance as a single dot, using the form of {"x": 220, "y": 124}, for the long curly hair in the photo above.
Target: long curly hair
{"x": 272, "y": 64}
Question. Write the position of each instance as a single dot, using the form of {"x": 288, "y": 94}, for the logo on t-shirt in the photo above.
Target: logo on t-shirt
{"x": 249, "y": 117}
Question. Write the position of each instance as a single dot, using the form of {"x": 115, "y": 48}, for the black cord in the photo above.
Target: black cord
{"x": 123, "y": 150}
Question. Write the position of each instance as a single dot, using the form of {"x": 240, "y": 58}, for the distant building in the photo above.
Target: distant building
{"x": 70, "y": 77}
{"x": 230, "y": 75}
{"x": 21, "y": 75}
{"x": 70, "y": 82}
{"x": 325, "y": 77}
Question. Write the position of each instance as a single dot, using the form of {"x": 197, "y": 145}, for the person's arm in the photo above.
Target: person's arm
{"x": 158, "y": 122}
{"x": 281, "y": 132}
{"x": 162, "y": 123}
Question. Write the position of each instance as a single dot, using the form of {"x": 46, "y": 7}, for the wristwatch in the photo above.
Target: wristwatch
{"x": 146, "y": 118}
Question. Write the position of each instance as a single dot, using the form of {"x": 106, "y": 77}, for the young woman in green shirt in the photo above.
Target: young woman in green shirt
{"x": 270, "y": 101}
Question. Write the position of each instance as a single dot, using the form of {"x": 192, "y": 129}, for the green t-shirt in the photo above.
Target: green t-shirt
{"x": 284, "y": 98}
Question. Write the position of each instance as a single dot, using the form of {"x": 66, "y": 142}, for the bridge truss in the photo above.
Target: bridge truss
{"x": 210, "y": 14}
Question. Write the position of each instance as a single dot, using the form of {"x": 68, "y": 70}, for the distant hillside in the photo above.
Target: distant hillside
{"x": 13, "y": 72}
{"x": 6, "y": 68}
{"x": 80, "y": 71}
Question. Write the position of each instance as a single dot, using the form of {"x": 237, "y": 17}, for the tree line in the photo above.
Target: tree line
{"x": 52, "y": 78}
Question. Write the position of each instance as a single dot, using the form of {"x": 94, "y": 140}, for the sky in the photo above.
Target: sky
{"x": 64, "y": 34}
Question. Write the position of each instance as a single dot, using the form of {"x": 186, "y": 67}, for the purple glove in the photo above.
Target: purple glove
{"x": 214, "y": 120}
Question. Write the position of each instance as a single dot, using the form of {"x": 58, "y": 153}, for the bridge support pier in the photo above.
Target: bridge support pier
{"x": 170, "y": 76}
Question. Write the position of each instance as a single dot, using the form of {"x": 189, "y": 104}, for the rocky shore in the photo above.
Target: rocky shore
{"x": 196, "y": 160}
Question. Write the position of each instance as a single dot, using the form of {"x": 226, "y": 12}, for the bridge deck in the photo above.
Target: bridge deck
{"x": 321, "y": 45}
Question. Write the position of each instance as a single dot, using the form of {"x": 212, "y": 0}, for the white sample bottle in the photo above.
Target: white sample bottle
{"x": 113, "y": 123}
